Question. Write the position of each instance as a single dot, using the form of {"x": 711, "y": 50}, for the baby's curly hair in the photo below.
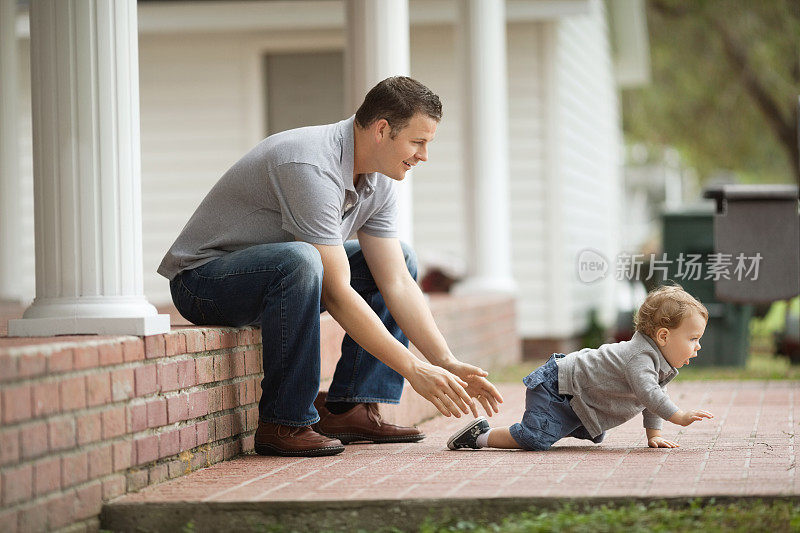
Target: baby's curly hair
{"x": 666, "y": 307}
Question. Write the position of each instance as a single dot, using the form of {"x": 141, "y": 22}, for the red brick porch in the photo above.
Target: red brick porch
{"x": 749, "y": 449}
{"x": 86, "y": 418}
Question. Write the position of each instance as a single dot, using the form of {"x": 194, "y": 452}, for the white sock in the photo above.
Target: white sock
{"x": 483, "y": 439}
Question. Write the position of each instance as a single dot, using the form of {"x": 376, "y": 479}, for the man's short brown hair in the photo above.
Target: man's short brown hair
{"x": 397, "y": 99}
{"x": 666, "y": 307}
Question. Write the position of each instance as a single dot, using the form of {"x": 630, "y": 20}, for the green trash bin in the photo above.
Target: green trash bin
{"x": 688, "y": 242}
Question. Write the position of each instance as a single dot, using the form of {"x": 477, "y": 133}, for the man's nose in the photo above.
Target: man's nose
{"x": 422, "y": 154}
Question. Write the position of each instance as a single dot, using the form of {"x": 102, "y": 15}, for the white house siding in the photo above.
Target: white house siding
{"x": 561, "y": 202}
{"x": 439, "y": 196}
{"x": 192, "y": 116}
{"x": 585, "y": 168}
{"x": 202, "y": 107}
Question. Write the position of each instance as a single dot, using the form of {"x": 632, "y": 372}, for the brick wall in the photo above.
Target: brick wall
{"x": 84, "y": 422}
{"x": 480, "y": 329}
{"x": 89, "y": 419}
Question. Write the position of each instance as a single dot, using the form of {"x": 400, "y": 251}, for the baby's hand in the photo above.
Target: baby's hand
{"x": 684, "y": 418}
{"x": 661, "y": 442}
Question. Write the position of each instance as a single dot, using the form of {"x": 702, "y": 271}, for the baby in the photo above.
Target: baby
{"x": 585, "y": 393}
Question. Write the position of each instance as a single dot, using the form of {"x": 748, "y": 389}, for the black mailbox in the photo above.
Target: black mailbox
{"x": 757, "y": 237}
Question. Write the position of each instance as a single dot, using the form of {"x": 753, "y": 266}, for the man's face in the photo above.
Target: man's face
{"x": 409, "y": 147}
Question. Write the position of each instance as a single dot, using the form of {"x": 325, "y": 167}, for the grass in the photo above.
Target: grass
{"x": 707, "y": 516}
{"x": 760, "y": 366}
{"x": 743, "y": 516}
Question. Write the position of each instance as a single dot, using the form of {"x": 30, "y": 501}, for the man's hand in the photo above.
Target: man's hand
{"x": 410, "y": 310}
{"x": 442, "y": 388}
{"x": 478, "y": 386}
{"x": 661, "y": 442}
{"x": 684, "y": 418}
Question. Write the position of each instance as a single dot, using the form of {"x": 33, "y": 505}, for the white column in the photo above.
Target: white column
{"x": 483, "y": 48}
{"x": 87, "y": 172}
{"x": 377, "y": 48}
{"x": 9, "y": 156}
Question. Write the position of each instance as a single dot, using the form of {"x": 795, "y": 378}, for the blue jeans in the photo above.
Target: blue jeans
{"x": 278, "y": 286}
{"x": 548, "y": 415}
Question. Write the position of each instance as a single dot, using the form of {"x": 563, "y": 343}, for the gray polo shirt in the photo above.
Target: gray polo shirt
{"x": 615, "y": 382}
{"x": 294, "y": 185}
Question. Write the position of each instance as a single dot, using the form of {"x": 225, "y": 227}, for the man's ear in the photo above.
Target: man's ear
{"x": 381, "y": 129}
{"x": 661, "y": 336}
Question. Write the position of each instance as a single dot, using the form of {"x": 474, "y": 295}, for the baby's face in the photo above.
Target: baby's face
{"x": 680, "y": 345}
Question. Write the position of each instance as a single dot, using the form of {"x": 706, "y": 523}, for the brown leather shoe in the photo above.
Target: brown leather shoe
{"x": 275, "y": 439}
{"x": 361, "y": 423}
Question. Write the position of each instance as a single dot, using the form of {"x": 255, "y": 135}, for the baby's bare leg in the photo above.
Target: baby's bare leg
{"x": 501, "y": 438}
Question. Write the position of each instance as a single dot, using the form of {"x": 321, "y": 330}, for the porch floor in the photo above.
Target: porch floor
{"x": 749, "y": 449}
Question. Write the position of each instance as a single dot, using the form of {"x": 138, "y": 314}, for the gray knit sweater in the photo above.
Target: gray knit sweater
{"x": 615, "y": 382}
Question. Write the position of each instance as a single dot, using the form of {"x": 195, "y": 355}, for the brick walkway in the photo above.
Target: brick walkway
{"x": 748, "y": 449}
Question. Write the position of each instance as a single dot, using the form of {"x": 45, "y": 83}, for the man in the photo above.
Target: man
{"x": 268, "y": 245}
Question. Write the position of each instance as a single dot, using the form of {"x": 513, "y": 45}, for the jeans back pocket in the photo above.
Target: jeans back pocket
{"x": 198, "y": 311}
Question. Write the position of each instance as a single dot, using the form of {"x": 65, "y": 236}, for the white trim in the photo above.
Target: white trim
{"x": 253, "y": 73}
{"x": 539, "y": 10}
{"x": 628, "y": 33}
{"x": 239, "y": 16}
{"x": 437, "y": 12}
{"x": 48, "y": 327}
{"x": 223, "y": 16}
{"x": 299, "y": 41}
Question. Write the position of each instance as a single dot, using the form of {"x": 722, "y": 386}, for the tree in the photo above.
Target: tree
{"x": 726, "y": 79}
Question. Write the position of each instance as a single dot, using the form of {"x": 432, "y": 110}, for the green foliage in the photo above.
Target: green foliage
{"x": 743, "y": 516}
{"x": 775, "y": 319}
{"x": 699, "y": 101}
{"x": 595, "y": 333}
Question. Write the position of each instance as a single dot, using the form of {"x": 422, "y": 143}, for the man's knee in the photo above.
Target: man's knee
{"x": 304, "y": 261}
{"x": 410, "y": 257}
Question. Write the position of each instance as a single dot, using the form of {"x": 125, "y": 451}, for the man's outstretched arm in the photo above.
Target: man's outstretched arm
{"x": 408, "y": 307}
{"x": 437, "y": 385}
